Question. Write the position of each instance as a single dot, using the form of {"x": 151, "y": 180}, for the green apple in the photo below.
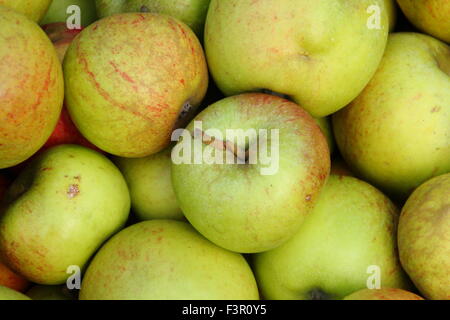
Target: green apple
{"x": 430, "y": 16}
{"x": 32, "y": 9}
{"x": 131, "y": 78}
{"x": 383, "y": 294}
{"x": 57, "y": 12}
{"x": 255, "y": 205}
{"x": 150, "y": 185}
{"x": 299, "y": 48}
{"x": 40, "y": 292}
{"x": 10, "y": 294}
{"x": 32, "y": 88}
{"x": 191, "y": 12}
{"x": 166, "y": 260}
{"x": 345, "y": 244}
{"x": 396, "y": 134}
{"x": 423, "y": 238}
{"x": 59, "y": 210}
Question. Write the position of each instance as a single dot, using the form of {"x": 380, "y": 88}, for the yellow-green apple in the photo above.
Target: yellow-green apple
{"x": 430, "y": 16}
{"x": 60, "y": 11}
{"x": 41, "y": 292}
{"x": 396, "y": 134}
{"x": 166, "y": 259}
{"x": 131, "y": 79}
{"x": 32, "y": 9}
{"x": 150, "y": 185}
{"x": 10, "y": 294}
{"x": 31, "y": 90}
{"x": 347, "y": 243}
{"x": 424, "y": 238}
{"x": 299, "y": 48}
{"x": 383, "y": 294}
{"x": 191, "y": 12}
{"x": 277, "y": 160}
{"x": 59, "y": 211}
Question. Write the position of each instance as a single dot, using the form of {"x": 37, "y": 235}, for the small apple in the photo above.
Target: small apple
{"x": 60, "y": 36}
{"x": 58, "y": 212}
{"x": 299, "y": 48}
{"x": 40, "y": 292}
{"x": 396, "y": 133}
{"x": 260, "y": 203}
{"x": 131, "y": 79}
{"x": 430, "y": 16}
{"x": 10, "y": 294}
{"x": 166, "y": 260}
{"x": 150, "y": 185}
{"x": 383, "y": 294}
{"x": 423, "y": 238}
{"x": 345, "y": 244}
{"x": 32, "y": 88}
{"x": 32, "y": 9}
{"x": 191, "y": 12}
{"x": 57, "y": 12}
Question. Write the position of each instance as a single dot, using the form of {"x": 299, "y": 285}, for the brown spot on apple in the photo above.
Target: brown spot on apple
{"x": 73, "y": 191}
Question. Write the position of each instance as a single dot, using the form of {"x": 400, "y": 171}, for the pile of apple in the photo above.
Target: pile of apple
{"x": 358, "y": 206}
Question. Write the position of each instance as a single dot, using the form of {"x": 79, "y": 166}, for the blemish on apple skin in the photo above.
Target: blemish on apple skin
{"x": 73, "y": 191}
{"x": 308, "y": 197}
{"x": 436, "y": 109}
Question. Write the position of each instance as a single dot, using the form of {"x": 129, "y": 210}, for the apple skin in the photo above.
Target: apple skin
{"x": 40, "y": 292}
{"x": 32, "y": 9}
{"x": 325, "y": 125}
{"x": 299, "y": 48}
{"x": 125, "y": 95}
{"x": 191, "y": 12}
{"x": 423, "y": 238}
{"x": 237, "y": 207}
{"x": 59, "y": 210}
{"x": 10, "y": 294}
{"x": 352, "y": 226}
{"x": 32, "y": 88}
{"x": 383, "y": 294}
{"x": 150, "y": 185}
{"x": 392, "y": 13}
{"x": 57, "y": 12}
{"x": 429, "y": 16}
{"x": 166, "y": 260}
{"x": 396, "y": 133}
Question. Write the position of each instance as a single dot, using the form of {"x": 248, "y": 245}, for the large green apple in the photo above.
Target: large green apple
{"x": 149, "y": 181}
{"x": 32, "y": 9}
{"x": 57, "y": 12}
{"x": 166, "y": 259}
{"x": 131, "y": 78}
{"x": 396, "y": 134}
{"x": 300, "y": 48}
{"x": 430, "y": 16}
{"x": 423, "y": 238}
{"x": 383, "y": 294}
{"x": 347, "y": 241}
{"x": 191, "y": 12}
{"x": 59, "y": 211}
{"x": 255, "y": 205}
{"x": 31, "y": 88}
{"x": 10, "y": 294}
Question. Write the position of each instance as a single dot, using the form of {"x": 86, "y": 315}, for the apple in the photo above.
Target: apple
{"x": 59, "y": 210}
{"x": 60, "y": 36}
{"x": 10, "y": 294}
{"x": 166, "y": 260}
{"x": 430, "y": 16}
{"x": 32, "y": 88}
{"x": 191, "y": 12}
{"x": 346, "y": 243}
{"x": 396, "y": 133}
{"x": 131, "y": 79}
{"x": 423, "y": 238}
{"x": 255, "y": 205}
{"x": 57, "y": 12}
{"x": 150, "y": 185}
{"x": 40, "y": 292}
{"x": 325, "y": 126}
{"x": 392, "y": 13}
{"x": 299, "y": 48}
{"x": 32, "y": 9}
{"x": 383, "y": 294}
